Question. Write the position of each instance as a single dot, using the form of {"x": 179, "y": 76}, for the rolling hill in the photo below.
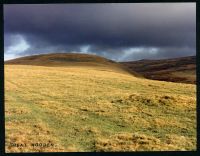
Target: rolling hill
{"x": 72, "y": 59}
{"x": 181, "y": 70}
{"x": 77, "y": 102}
{"x": 54, "y": 59}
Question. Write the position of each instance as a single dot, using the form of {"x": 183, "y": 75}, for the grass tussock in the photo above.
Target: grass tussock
{"x": 140, "y": 142}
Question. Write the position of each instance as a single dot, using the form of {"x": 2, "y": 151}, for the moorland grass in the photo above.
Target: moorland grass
{"x": 96, "y": 109}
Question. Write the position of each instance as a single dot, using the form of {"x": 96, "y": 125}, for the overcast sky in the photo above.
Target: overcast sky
{"x": 120, "y": 32}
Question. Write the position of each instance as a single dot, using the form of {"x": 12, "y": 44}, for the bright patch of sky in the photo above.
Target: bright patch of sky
{"x": 84, "y": 49}
{"x": 19, "y": 45}
{"x": 136, "y": 50}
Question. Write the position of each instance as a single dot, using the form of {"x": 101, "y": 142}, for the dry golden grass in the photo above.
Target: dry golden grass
{"x": 139, "y": 142}
{"x": 82, "y": 108}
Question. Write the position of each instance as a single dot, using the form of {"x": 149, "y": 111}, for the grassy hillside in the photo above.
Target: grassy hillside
{"x": 175, "y": 70}
{"x": 72, "y": 59}
{"x": 90, "y": 108}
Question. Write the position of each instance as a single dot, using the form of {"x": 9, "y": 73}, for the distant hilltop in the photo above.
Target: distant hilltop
{"x": 58, "y": 58}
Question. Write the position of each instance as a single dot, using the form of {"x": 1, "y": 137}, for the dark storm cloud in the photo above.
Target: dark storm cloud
{"x": 109, "y": 30}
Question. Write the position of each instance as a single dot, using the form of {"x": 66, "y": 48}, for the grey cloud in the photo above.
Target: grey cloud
{"x": 109, "y": 29}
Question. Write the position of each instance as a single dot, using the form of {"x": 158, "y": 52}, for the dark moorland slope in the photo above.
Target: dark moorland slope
{"x": 175, "y": 70}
